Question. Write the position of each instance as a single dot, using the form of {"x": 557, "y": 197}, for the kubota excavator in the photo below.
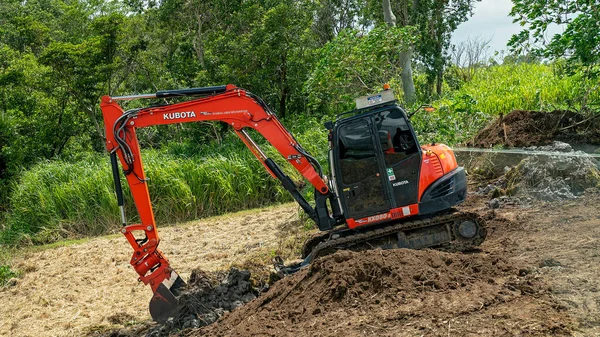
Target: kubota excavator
{"x": 384, "y": 189}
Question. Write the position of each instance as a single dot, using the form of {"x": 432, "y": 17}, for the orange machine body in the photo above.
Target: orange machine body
{"x": 411, "y": 179}
{"x": 234, "y": 107}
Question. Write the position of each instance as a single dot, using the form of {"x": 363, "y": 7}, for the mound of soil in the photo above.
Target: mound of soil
{"x": 521, "y": 128}
{"x": 206, "y": 299}
{"x": 385, "y": 292}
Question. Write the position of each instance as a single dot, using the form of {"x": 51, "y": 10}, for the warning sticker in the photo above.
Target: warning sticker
{"x": 391, "y": 174}
{"x": 406, "y": 211}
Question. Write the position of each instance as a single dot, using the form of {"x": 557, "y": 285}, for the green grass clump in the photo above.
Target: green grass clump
{"x": 6, "y": 273}
{"x": 56, "y": 200}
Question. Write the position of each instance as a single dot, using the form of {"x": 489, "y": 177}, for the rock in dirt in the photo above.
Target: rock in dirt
{"x": 554, "y": 177}
{"x": 494, "y": 203}
{"x": 206, "y": 299}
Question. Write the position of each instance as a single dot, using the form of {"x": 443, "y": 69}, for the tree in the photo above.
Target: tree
{"x": 356, "y": 64}
{"x": 580, "y": 41}
{"x": 435, "y": 21}
{"x": 408, "y": 85}
{"x": 333, "y": 16}
{"x": 469, "y": 55}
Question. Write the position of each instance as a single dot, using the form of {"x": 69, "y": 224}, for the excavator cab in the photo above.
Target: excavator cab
{"x": 376, "y": 158}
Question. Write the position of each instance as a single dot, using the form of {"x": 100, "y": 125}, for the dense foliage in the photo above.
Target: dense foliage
{"x": 580, "y": 40}
{"x": 307, "y": 59}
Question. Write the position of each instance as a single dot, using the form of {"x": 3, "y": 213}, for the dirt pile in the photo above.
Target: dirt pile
{"x": 384, "y": 292}
{"x": 207, "y": 298}
{"x": 522, "y": 128}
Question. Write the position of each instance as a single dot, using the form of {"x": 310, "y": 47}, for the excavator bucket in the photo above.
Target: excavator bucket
{"x": 164, "y": 302}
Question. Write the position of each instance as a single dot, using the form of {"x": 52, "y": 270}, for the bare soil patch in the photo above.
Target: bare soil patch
{"x": 90, "y": 288}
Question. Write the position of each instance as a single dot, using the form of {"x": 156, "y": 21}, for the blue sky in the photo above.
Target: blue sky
{"x": 490, "y": 20}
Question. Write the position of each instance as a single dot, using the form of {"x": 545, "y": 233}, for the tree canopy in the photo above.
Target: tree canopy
{"x": 579, "y": 42}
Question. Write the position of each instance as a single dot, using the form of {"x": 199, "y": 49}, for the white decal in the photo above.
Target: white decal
{"x": 179, "y": 115}
{"x": 406, "y": 210}
{"x": 400, "y": 183}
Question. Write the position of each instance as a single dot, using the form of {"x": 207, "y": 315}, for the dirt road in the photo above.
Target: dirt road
{"x": 537, "y": 274}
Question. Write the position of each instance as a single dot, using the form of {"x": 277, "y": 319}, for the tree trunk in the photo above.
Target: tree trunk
{"x": 440, "y": 80}
{"x": 198, "y": 44}
{"x": 388, "y": 15}
{"x": 408, "y": 86}
{"x": 284, "y": 87}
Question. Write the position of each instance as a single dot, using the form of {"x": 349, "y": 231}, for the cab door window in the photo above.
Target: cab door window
{"x": 362, "y": 181}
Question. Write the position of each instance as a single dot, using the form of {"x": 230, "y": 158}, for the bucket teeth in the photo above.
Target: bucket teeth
{"x": 164, "y": 303}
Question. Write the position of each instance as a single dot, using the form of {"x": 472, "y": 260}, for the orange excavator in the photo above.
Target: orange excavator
{"x": 383, "y": 189}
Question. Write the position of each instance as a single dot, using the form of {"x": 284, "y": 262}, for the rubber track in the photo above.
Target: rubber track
{"x": 456, "y": 245}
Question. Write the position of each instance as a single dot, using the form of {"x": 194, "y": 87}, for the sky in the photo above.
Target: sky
{"x": 490, "y": 20}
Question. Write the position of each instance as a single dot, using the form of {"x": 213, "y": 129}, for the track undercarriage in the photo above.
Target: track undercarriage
{"x": 454, "y": 232}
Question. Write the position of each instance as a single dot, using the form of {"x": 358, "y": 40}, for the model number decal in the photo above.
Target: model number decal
{"x": 378, "y": 217}
{"x": 374, "y": 218}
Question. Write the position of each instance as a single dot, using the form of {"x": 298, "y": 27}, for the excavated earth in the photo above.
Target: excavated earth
{"x": 397, "y": 292}
{"x": 523, "y": 128}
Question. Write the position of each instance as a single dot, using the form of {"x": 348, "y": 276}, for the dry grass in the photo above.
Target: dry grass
{"x": 71, "y": 290}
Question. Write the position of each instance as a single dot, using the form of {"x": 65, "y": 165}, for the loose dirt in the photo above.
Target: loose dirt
{"x": 90, "y": 286}
{"x": 396, "y": 292}
{"x": 535, "y": 275}
{"x": 521, "y": 128}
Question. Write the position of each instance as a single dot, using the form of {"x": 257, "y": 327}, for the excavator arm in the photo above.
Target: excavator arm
{"x": 234, "y": 106}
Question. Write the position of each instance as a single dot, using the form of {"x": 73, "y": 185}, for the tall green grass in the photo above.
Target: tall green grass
{"x": 501, "y": 89}
{"x": 57, "y": 199}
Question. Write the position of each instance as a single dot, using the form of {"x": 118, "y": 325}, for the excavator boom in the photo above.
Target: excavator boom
{"x": 234, "y": 106}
